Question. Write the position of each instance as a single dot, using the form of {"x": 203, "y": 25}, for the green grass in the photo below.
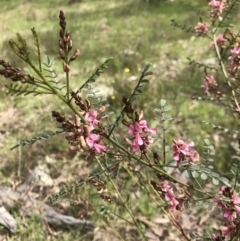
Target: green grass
{"x": 131, "y": 32}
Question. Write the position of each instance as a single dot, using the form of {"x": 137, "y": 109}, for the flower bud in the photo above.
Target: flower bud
{"x": 61, "y": 33}
{"x": 82, "y": 143}
{"x": 102, "y": 109}
{"x": 61, "y": 53}
{"x": 86, "y": 130}
{"x": 69, "y": 44}
{"x": 88, "y": 103}
{"x": 125, "y": 123}
{"x": 75, "y": 55}
{"x": 61, "y": 44}
{"x": 66, "y": 67}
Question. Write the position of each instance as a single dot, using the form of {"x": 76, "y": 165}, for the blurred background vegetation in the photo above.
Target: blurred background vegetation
{"x": 133, "y": 32}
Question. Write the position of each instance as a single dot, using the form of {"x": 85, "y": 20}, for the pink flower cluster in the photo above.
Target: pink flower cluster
{"x": 209, "y": 83}
{"x": 140, "y": 132}
{"x": 169, "y": 195}
{"x": 230, "y": 208}
{"x": 217, "y": 8}
{"x": 201, "y": 28}
{"x": 181, "y": 151}
{"x": 220, "y": 41}
{"x": 93, "y": 139}
{"x": 234, "y": 59}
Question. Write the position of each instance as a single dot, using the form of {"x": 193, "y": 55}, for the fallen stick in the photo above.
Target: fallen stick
{"x": 30, "y": 206}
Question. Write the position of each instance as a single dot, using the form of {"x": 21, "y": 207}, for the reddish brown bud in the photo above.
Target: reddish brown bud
{"x": 125, "y": 123}
{"x": 61, "y": 44}
{"x": 70, "y": 43}
{"x": 55, "y": 114}
{"x": 88, "y": 103}
{"x": 137, "y": 116}
{"x": 61, "y": 53}
{"x": 86, "y": 130}
{"x": 62, "y": 21}
{"x": 82, "y": 143}
{"x": 75, "y": 55}
{"x": 61, "y": 33}
{"x": 66, "y": 67}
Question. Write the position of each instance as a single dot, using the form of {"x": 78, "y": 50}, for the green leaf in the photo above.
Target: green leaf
{"x": 167, "y": 128}
{"x": 148, "y": 73}
{"x": 146, "y": 68}
{"x": 215, "y": 181}
{"x": 214, "y": 174}
{"x": 195, "y": 174}
{"x": 137, "y": 92}
{"x": 184, "y": 163}
{"x": 141, "y": 84}
{"x": 162, "y": 102}
{"x": 36, "y": 42}
{"x": 166, "y": 108}
{"x": 225, "y": 181}
{"x": 187, "y": 173}
{"x": 204, "y": 176}
{"x": 178, "y": 171}
{"x": 171, "y": 162}
{"x": 194, "y": 167}
{"x": 204, "y": 169}
{"x": 207, "y": 142}
{"x": 145, "y": 81}
{"x": 43, "y": 136}
{"x": 210, "y": 160}
{"x": 14, "y": 146}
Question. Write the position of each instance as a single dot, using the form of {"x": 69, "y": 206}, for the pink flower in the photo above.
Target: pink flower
{"x": 91, "y": 117}
{"x": 169, "y": 195}
{"x": 230, "y": 208}
{"x": 214, "y": 236}
{"x": 220, "y": 41}
{"x": 209, "y": 83}
{"x": 201, "y": 28}
{"x": 181, "y": 149}
{"x": 140, "y": 131}
{"x": 93, "y": 142}
{"x": 193, "y": 156}
{"x": 217, "y": 8}
{"x": 234, "y": 60}
{"x": 227, "y": 229}
{"x": 140, "y": 127}
{"x": 144, "y": 127}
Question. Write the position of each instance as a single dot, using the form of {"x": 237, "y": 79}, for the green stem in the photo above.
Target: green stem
{"x": 129, "y": 99}
{"x": 153, "y": 167}
{"x": 225, "y": 72}
{"x": 164, "y": 138}
{"x": 121, "y": 218}
{"x": 54, "y": 91}
{"x": 116, "y": 232}
{"x": 68, "y": 92}
{"x": 123, "y": 201}
{"x": 171, "y": 217}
